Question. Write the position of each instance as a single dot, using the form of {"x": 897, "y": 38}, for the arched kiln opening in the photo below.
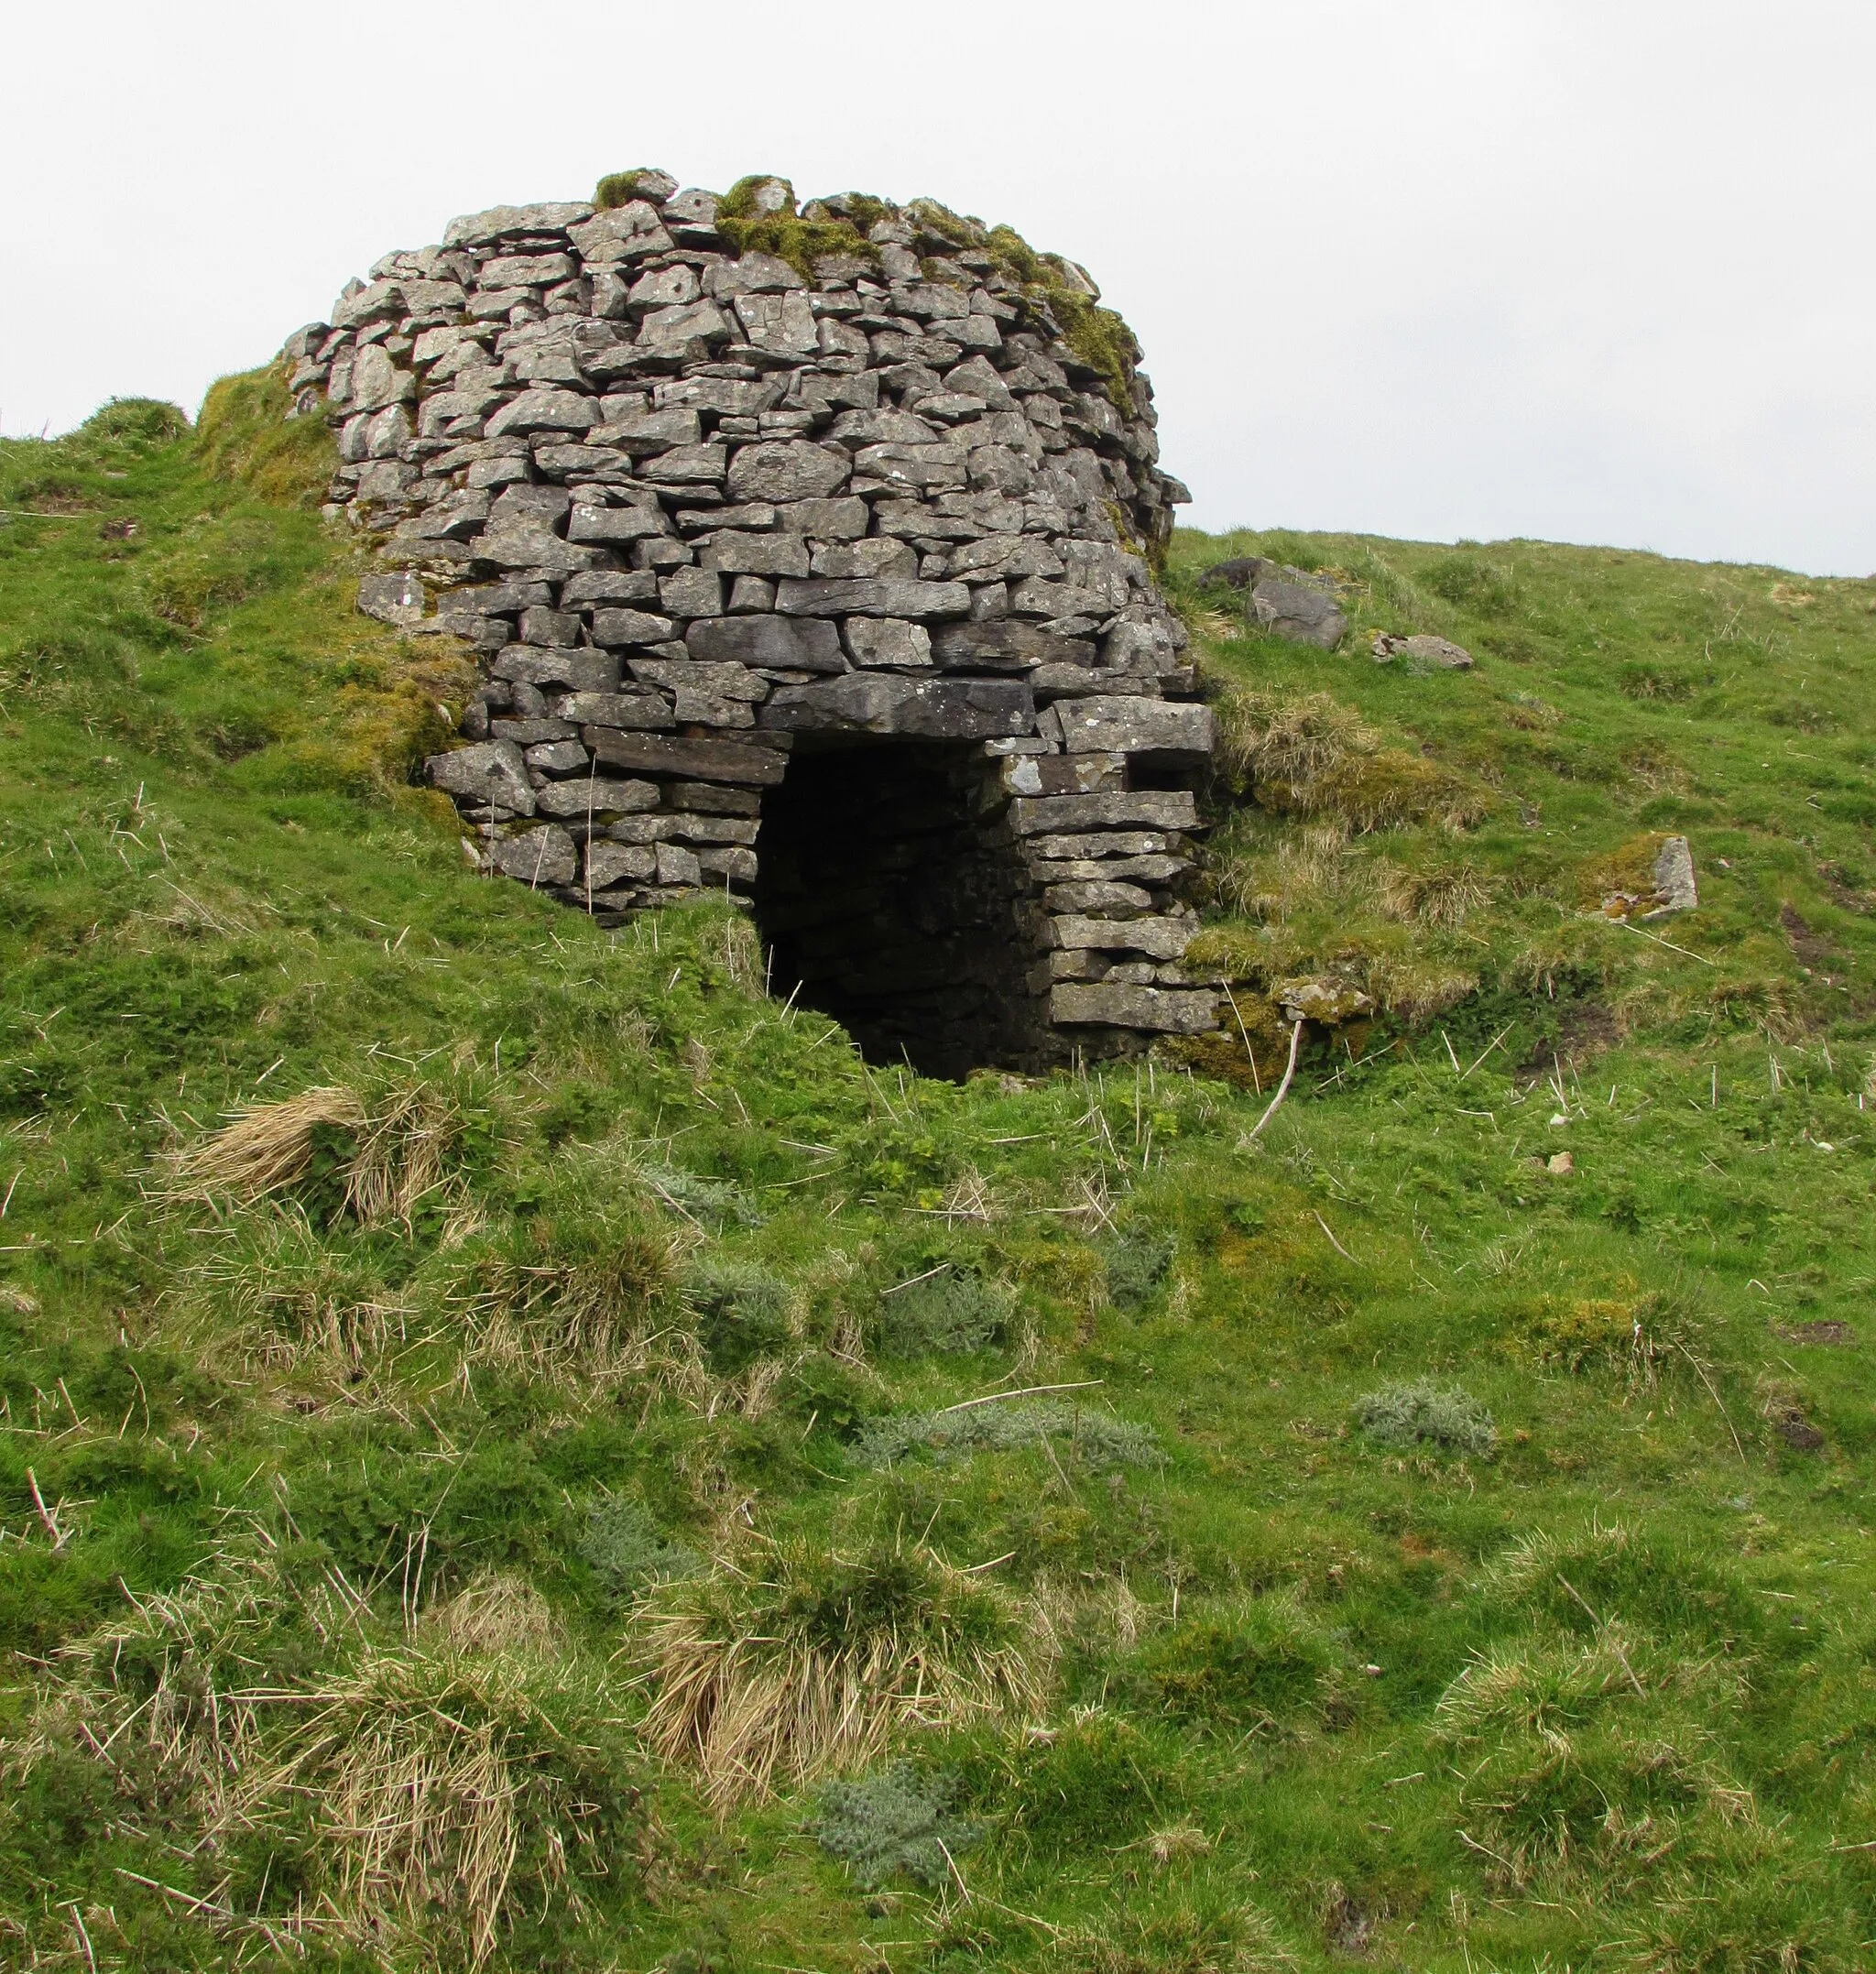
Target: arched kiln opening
{"x": 891, "y": 896}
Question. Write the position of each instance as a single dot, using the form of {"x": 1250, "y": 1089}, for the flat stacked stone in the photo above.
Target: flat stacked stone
{"x": 694, "y": 506}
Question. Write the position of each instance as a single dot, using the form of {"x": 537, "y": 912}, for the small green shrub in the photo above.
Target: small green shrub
{"x": 1138, "y": 1260}
{"x": 954, "y": 1311}
{"x": 896, "y": 1823}
{"x": 625, "y": 1549}
{"x": 701, "y": 1199}
{"x": 1425, "y": 1413}
{"x": 742, "y": 1311}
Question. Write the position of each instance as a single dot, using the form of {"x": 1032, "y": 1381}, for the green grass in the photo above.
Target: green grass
{"x": 1600, "y": 1691}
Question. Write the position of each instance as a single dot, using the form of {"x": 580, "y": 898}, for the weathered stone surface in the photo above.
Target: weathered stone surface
{"x": 544, "y": 411}
{"x": 629, "y": 627}
{"x": 1164, "y": 939}
{"x": 715, "y": 760}
{"x": 1425, "y": 651}
{"x": 612, "y": 863}
{"x": 569, "y": 667}
{"x": 483, "y": 229}
{"x": 1162, "y": 1011}
{"x": 779, "y": 642}
{"x": 1136, "y": 809}
{"x": 597, "y": 795}
{"x": 1674, "y": 889}
{"x": 1007, "y": 642}
{"x": 638, "y": 711}
{"x": 377, "y": 381}
{"x": 1129, "y": 726}
{"x": 938, "y": 709}
{"x": 786, "y": 469}
{"x": 871, "y": 596}
{"x": 593, "y": 524}
{"x": 393, "y": 599}
{"x": 535, "y": 857}
{"x": 622, "y": 233}
{"x": 1303, "y": 615}
{"x": 887, "y": 640}
{"x": 757, "y": 555}
{"x": 492, "y": 771}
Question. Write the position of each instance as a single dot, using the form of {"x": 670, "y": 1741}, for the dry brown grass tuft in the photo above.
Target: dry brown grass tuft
{"x": 594, "y": 1319}
{"x": 446, "y": 1782}
{"x": 1444, "y": 895}
{"x": 267, "y": 1148}
{"x": 816, "y": 1664}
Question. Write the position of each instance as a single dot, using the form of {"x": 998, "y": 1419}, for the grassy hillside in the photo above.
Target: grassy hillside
{"x": 514, "y": 1498}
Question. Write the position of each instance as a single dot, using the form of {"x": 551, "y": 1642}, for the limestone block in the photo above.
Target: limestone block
{"x": 1137, "y": 809}
{"x": 881, "y": 703}
{"x": 592, "y": 523}
{"x": 483, "y": 229}
{"x": 544, "y": 411}
{"x": 779, "y": 642}
{"x": 597, "y": 795}
{"x": 711, "y": 761}
{"x": 643, "y": 433}
{"x": 1160, "y": 939}
{"x": 394, "y": 599}
{"x": 786, "y": 469}
{"x": 782, "y": 324}
{"x": 878, "y": 555}
{"x": 757, "y": 555}
{"x": 635, "y": 710}
{"x": 1163, "y": 1010}
{"x": 1098, "y": 895}
{"x": 629, "y": 627}
{"x": 1007, "y": 642}
{"x": 536, "y": 856}
{"x": 611, "y": 863}
{"x": 377, "y": 381}
{"x": 623, "y": 232}
{"x": 1303, "y": 615}
{"x": 871, "y": 596}
{"x": 524, "y": 270}
{"x": 887, "y": 641}
{"x": 490, "y": 770}
{"x": 1132, "y": 725}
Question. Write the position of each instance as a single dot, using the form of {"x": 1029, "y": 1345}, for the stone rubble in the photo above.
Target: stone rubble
{"x": 702, "y": 513}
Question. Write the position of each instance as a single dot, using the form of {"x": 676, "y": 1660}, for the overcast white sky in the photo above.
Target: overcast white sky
{"x": 1595, "y": 272}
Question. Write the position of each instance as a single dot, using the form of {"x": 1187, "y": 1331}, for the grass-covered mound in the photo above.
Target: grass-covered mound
{"x": 492, "y": 1471}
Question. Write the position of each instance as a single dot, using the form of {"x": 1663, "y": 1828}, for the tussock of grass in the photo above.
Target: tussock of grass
{"x": 819, "y": 1662}
{"x": 1095, "y": 1439}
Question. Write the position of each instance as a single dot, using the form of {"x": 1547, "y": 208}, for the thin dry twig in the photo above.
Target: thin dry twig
{"x": 1282, "y": 1088}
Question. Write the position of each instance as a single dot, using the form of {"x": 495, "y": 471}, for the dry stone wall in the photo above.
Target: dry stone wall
{"x": 838, "y": 522}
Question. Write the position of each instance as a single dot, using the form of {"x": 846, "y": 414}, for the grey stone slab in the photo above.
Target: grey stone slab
{"x": 780, "y": 324}
{"x": 757, "y": 555}
{"x": 786, "y": 470}
{"x": 878, "y": 555}
{"x": 617, "y": 626}
{"x": 393, "y": 599}
{"x": 1007, "y": 642}
{"x": 377, "y": 381}
{"x": 1160, "y": 938}
{"x": 483, "y": 229}
{"x": 491, "y": 770}
{"x": 872, "y": 596}
{"x": 533, "y": 547}
{"x": 1158, "y": 1010}
{"x": 1302, "y": 615}
{"x": 1125, "y": 724}
{"x": 546, "y": 409}
{"x": 535, "y": 857}
{"x": 842, "y": 519}
{"x": 1098, "y": 895}
{"x": 622, "y": 233}
{"x": 640, "y": 711}
{"x": 646, "y": 432}
{"x": 572, "y": 668}
{"x": 598, "y": 795}
{"x": 687, "y": 466}
{"x": 609, "y": 863}
{"x": 778, "y": 642}
{"x": 888, "y": 641}
{"x": 691, "y": 593}
{"x": 609, "y": 585}
{"x": 705, "y": 760}
{"x": 524, "y": 270}
{"x": 880, "y": 702}
{"x": 591, "y": 524}
{"x": 555, "y": 758}
{"x": 1132, "y": 808}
